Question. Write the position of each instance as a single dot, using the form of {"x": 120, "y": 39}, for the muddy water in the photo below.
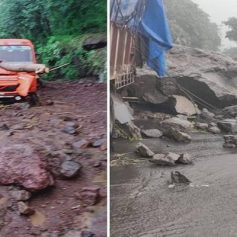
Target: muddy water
{"x": 144, "y": 206}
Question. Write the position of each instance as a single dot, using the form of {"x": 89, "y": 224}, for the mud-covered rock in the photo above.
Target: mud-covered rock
{"x": 152, "y": 133}
{"x": 24, "y": 209}
{"x": 20, "y": 195}
{"x": 20, "y": 164}
{"x": 70, "y": 169}
{"x": 143, "y": 150}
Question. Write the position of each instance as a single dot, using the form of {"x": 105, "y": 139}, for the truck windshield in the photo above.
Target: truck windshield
{"x": 16, "y": 53}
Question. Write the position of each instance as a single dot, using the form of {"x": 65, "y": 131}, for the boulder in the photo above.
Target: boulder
{"x": 165, "y": 160}
{"x": 207, "y": 115}
{"x": 152, "y": 133}
{"x": 206, "y": 75}
{"x": 230, "y": 111}
{"x": 184, "y": 106}
{"x": 185, "y": 159}
{"x": 178, "y": 136}
{"x": 143, "y": 150}
{"x": 177, "y": 123}
{"x": 228, "y": 125}
{"x": 203, "y": 126}
{"x": 20, "y": 164}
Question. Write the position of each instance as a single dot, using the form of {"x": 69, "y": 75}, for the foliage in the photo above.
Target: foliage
{"x": 58, "y": 29}
{"x": 232, "y": 33}
{"x": 191, "y": 26}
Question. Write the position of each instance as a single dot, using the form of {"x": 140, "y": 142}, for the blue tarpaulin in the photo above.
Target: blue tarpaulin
{"x": 155, "y": 28}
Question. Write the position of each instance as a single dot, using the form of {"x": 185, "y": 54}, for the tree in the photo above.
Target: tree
{"x": 191, "y": 26}
{"x": 232, "y": 33}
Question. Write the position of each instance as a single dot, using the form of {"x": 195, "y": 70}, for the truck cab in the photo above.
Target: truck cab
{"x": 17, "y": 85}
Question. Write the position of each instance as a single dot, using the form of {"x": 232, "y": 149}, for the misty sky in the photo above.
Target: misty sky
{"x": 219, "y": 11}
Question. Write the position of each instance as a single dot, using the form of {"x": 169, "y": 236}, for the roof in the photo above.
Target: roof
{"x": 16, "y": 42}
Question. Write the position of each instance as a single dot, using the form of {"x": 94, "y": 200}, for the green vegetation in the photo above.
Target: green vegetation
{"x": 191, "y": 26}
{"x": 232, "y": 24}
{"x": 58, "y": 29}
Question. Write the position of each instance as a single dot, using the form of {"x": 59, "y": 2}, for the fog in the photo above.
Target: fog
{"x": 219, "y": 11}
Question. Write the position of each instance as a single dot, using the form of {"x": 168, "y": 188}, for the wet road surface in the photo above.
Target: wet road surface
{"x": 142, "y": 205}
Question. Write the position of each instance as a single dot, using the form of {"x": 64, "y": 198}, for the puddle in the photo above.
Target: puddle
{"x": 37, "y": 219}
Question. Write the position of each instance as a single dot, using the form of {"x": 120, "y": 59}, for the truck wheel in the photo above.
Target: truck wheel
{"x": 33, "y": 99}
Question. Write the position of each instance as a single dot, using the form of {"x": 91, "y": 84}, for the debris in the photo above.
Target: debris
{"x": 178, "y": 178}
{"x": 99, "y": 143}
{"x": 152, "y": 133}
{"x": 70, "y": 169}
{"x": 178, "y": 136}
{"x": 208, "y": 116}
{"x": 143, "y": 150}
{"x": 228, "y": 125}
{"x": 20, "y": 164}
{"x": 214, "y": 130}
{"x": 184, "y": 159}
{"x": 177, "y": 123}
{"x": 230, "y": 141}
{"x": 21, "y": 195}
{"x": 203, "y": 126}
{"x": 89, "y": 195}
{"x": 82, "y": 144}
{"x": 70, "y": 130}
{"x": 165, "y": 160}
{"x": 230, "y": 111}
{"x": 184, "y": 106}
{"x": 24, "y": 209}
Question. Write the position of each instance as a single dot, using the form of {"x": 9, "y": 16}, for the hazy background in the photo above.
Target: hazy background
{"x": 219, "y": 11}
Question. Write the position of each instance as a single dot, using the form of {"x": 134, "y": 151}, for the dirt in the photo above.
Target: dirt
{"x": 60, "y": 209}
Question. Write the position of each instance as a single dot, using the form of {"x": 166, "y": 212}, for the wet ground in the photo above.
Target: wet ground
{"x": 59, "y": 210}
{"x": 142, "y": 204}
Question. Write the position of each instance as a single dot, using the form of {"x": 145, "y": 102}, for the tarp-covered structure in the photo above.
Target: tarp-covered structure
{"x": 147, "y": 19}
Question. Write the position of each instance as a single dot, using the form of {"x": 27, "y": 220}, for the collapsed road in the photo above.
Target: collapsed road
{"x": 53, "y": 163}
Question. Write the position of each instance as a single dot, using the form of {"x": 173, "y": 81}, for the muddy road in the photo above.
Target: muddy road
{"x": 60, "y": 210}
{"x": 143, "y": 205}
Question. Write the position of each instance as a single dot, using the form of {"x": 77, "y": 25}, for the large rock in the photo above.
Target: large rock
{"x": 207, "y": 75}
{"x": 20, "y": 164}
{"x": 152, "y": 133}
{"x": 143, "y": 150}
{"x": 177, "y": 135}
{"x": 228, "y": 125}
{"x": 184, "y": 106}
{"x": 177, "y": 123}
{"x": 165, "y": 160}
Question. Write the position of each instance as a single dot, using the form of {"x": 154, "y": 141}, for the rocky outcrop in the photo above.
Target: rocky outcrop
{"x": 207, "y": 75}
{"x": 20, "y": 164}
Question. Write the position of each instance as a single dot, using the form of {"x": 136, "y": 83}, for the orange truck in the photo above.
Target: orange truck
{"x": 17, "y": 85}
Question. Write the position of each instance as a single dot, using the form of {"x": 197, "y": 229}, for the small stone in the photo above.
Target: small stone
{"x": 72, "y": 124}
{"x": 49, "y": 102}
{"x": 99, "y": 143}
{"x": 70, "y": 169}
{"x": 87, "y": 234}
{"x": 89, "y": 195}
{"x": 24, "y": 209}
{"x": 70, "y": 130}
{"x": 178, "y": 178}
{"x": 143, "y": 150}
{"x": 82, "y": 144}
{"x": 184, "y": 159}
{"x": 21, "y": 195}
{"x": 178, "y": 136}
